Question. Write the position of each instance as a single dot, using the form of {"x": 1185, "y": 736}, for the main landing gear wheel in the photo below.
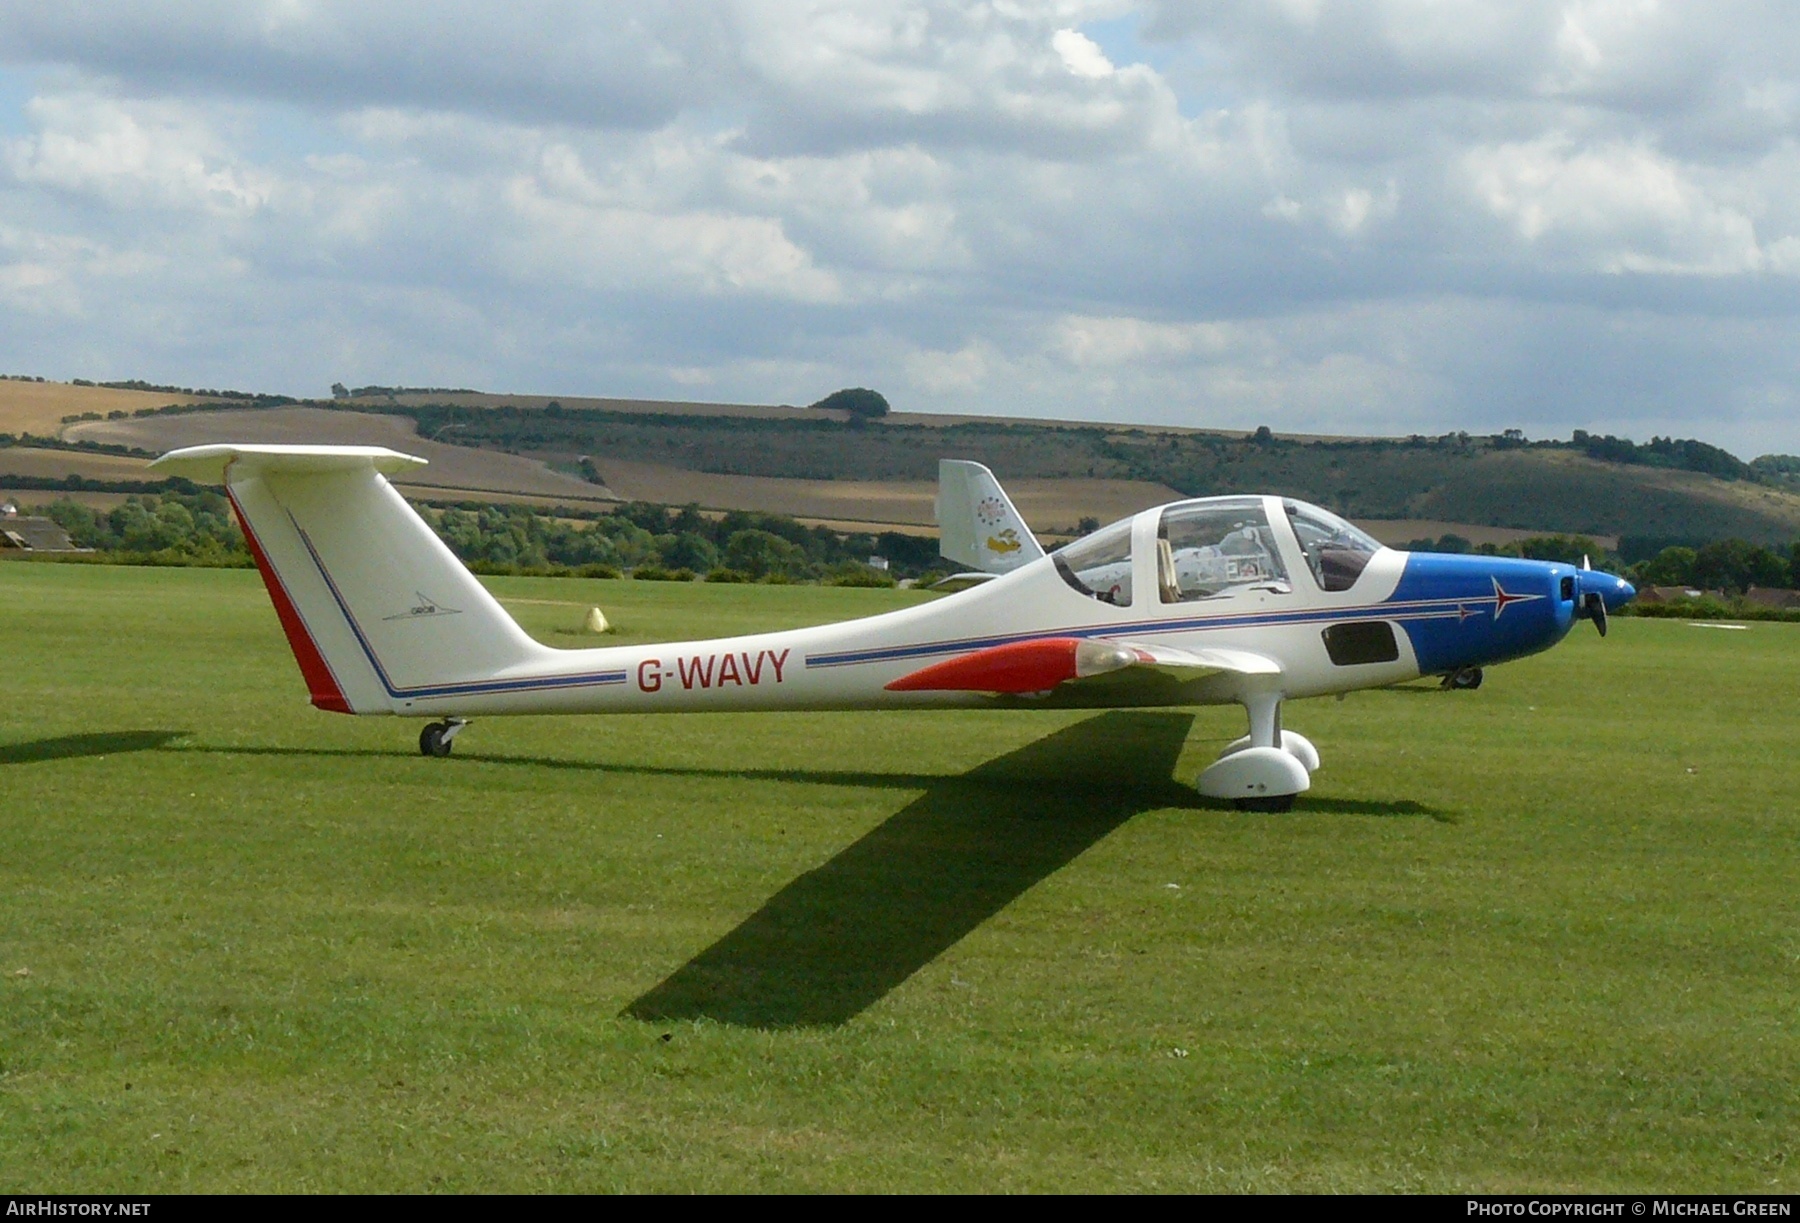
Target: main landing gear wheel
{"x": 436, "y": 738}
{"x": 1466, "y": 680}
{"x": 1263, "y": 771}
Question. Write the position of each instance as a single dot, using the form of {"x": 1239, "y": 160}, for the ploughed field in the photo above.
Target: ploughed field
{"x": 1539, "y": 936}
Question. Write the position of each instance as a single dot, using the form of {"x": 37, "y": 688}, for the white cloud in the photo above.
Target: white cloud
{"x": 1081, "y": 54}
{"x": 133, "y": 154}
{"x": 615, "y": 249}
{"x": 1281, "y": 206}
{"x": 1614, "y": 208}
{"x": 36, "y": 287}
{"x": 1355, "y": 208}
{"x": 1085, "y": 341}
{"x": 964, "y": 370}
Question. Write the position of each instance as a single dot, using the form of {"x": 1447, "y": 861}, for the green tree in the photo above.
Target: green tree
{"x": 761, "y": 554}
{"x": 691, "y": 519}
{"x": 1769, "y": 568}
{"x": 1733, "y": 564}
{"x": 689, "y": 550}
{"x": 140, "y": 528}
{"x": 859, "y": 401}
{"x": 86, "y": 528}
{"x": 648, "y": 515}
{"x": 1570, "y": 549}
{"x": 1671, "y": 567}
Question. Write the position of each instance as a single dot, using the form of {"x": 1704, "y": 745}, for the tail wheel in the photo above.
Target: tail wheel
{"x": 434, "y": 740}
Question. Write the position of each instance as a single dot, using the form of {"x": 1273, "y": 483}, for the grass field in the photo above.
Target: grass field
{"x": 1540, "y": 936}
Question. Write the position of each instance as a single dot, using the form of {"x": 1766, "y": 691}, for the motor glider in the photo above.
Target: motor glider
{"x": 1248, "y": 600}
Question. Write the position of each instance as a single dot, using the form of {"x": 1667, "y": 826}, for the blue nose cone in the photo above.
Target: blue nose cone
{"x": 1614, "y": 591}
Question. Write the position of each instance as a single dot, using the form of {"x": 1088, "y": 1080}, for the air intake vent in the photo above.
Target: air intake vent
{"x": 1360, "y": 642}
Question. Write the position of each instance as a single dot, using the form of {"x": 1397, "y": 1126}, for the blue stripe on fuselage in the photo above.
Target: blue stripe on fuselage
{"x": 1514, "y": 608}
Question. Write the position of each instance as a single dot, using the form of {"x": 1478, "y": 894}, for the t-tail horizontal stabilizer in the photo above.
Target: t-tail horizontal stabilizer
{"x": 977, "y": 524}
{"x": 379, "y": 612}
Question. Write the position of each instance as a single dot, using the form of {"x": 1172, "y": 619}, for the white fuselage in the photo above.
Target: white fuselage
{"x": 848, "y": 665}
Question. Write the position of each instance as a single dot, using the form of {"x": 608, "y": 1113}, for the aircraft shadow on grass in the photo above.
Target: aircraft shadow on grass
{"x": 841, "y": 937}
{"x": 1169, "y": 793}
{"x": 99, "y": 743}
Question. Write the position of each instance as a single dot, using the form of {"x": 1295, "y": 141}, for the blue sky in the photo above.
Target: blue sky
{"x": 1380, "y": 216}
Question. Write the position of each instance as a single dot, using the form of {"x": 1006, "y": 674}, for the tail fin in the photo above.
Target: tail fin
{"x": 378, "y": 611}
{"x": 977, "y": 524}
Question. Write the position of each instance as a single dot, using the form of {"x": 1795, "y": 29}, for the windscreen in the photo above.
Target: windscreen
{"x": 1336, "y": 552}
{"x": 1099, "y": 565}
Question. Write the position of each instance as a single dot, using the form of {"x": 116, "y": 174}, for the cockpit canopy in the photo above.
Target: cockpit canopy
{"x": 1336, "y": 552}
{"x": 1099, "y": 565}
{"x": 1205, "y": 548}
{"x": 1218, "y": 546}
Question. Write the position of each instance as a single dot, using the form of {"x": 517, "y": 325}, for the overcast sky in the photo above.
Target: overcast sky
{"x": 1367, "y": 216}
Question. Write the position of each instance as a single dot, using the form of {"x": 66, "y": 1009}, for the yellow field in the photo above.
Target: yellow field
{"x": 1043, "y": 502}
{"x": 27, "y": 498}
{"x": 55, "y": 464}
{"x": 38, "y": 407}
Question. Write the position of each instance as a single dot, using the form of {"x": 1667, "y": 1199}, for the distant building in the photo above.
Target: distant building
{"x": 1667, "y": 594}
{"x": 1772, "y": 598}
{"x": 19, "y": 534}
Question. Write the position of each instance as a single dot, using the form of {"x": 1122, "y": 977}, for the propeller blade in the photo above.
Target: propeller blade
{"x": 1594, "y": 607}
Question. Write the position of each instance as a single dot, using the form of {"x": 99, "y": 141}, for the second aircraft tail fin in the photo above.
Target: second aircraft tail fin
{"x": 977, "y": 523}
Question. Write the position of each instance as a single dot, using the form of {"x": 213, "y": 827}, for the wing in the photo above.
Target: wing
{"x": 1051, "y": 663}
{"x": 961, "y": 581}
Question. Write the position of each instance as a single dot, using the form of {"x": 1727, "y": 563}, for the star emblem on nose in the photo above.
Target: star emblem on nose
{"x": 1503, "y": 599}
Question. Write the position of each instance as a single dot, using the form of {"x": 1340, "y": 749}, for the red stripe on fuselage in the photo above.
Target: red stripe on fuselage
{"x": 320, "y": 682}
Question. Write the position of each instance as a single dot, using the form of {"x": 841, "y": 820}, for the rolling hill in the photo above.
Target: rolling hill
{"x": 828, "y": 467}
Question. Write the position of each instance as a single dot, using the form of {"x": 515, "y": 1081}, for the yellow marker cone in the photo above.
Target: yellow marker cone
{"x": 596, "y": 621}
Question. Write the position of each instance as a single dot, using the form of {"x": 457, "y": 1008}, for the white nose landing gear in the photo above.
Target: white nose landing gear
{"x": 1265, "y": 769}
{"x": 435, "y": 739}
